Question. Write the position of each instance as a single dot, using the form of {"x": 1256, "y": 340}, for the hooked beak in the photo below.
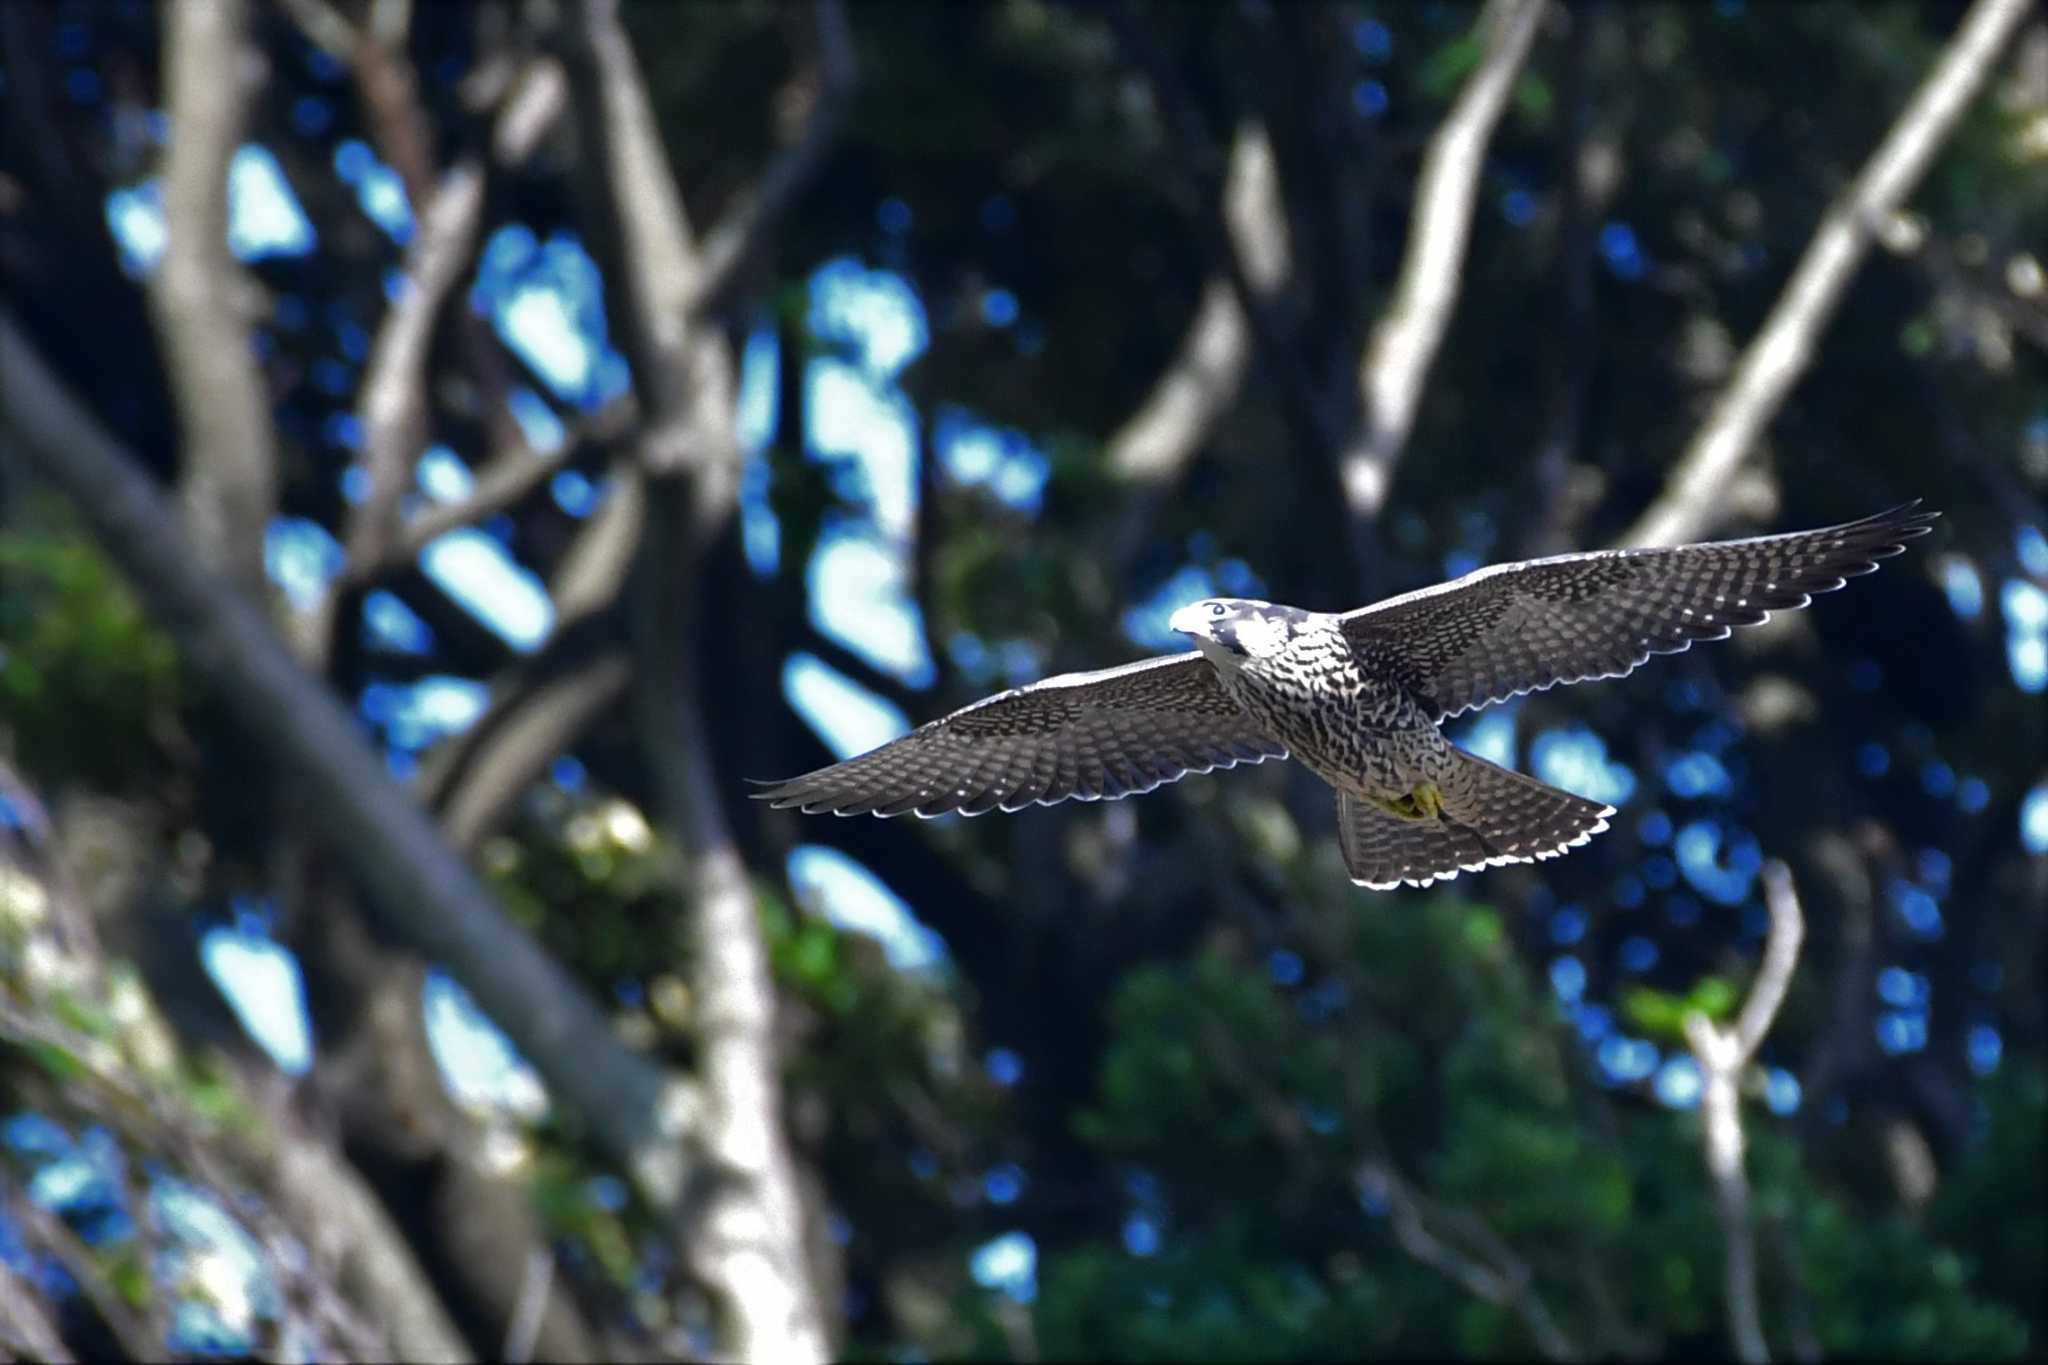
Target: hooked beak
{"x": 1189, "y": 621}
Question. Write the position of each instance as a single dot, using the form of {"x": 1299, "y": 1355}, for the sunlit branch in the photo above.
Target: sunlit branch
{"x": 1692, "y": 501}
{"x": 1395, "y": 368}
{"x": 392, "y": 402}
{"x": 228, "y": 480}
{"x": 534, "y": 1284}
{"x": 1279, "y": 352}
{"x": 1722, "y": 1055}
{"x": 1202, "y": 380}
{"x": 325, "y": 27}
{"x": 393, "y": 398}
{"x": 746, "y": 1241}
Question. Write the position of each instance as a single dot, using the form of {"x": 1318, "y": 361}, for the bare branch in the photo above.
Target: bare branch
{"x": 229, "y": 478}
{"x": 500, "y": 485}
{"x": 1781, "y": 956}
{"x": 372, "y": 1261}
{"x": 737, "y": 237}
{"x": 25, "y": 1326}
{"x": 1508, "y": 1283}
{"x": 1279, "y": 353}
{"x": 393, "y": 398}
{"x": 325, "y": 27}
{"x": 529, "y": 730}
{"x": 1722, "y": 1056}
{"x": 1692, "y": 503}
{"x": 425, "y": 893}
{"x": 535, "y": 103}
{"x": 541, "y": 705}
{"x": 1202, "y": 380}
{"x": 1404, "y": 342}
{"x": 533, "y": 1301}
{"x": 747, "y": 1241}
{"x": 130, "y": 1328}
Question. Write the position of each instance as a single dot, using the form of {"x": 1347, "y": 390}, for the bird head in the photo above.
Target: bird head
{"x": 1231, "y": 630}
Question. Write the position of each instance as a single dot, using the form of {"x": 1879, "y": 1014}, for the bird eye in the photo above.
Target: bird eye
{"x": 1215, "y": 610}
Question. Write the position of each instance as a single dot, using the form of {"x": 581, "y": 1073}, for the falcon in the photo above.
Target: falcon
{"x": 1361, "y": 698}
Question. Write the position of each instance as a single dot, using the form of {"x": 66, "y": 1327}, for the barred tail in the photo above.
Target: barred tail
{"x": 1490, "y": 816}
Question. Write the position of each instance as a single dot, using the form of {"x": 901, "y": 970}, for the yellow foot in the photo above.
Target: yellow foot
{"x": 1426, "y": 802}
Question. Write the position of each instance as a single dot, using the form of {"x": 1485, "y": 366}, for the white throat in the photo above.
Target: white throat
{"x": 1221, "y": 659}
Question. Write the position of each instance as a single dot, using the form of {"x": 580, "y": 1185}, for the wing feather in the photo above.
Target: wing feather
{"x": 1522, "y": 627}
{"x": 1100, "y": 735}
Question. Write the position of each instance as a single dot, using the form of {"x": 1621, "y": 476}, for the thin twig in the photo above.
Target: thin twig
{"x": 1722, "y": 1054}
{"x": 1692, "y": 500}
{"x": 1508, "y": 1283}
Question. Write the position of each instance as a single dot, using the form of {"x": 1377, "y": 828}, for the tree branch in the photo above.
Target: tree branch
{"x": 1722, "y": 1055}
{"x": 1405, "y": 340}
{"x": 135, "y": 1333}
{"x": 543, "y": 703}
{"x": 1279, "y": 351}
{"x": 393, "y": 398}
{"x": 534, "y": 1283}
{"x": 747, "y": 1242}
{"x": 1152, "y": 448}
{"x": 1692, "y": 502}
{"x": 1508, "y": 1283}
{"x": 424, "y": 892}
{"x": 737, "y": 238}
{"x": 229, "y": 480}
{"x": 25, "y": 1324}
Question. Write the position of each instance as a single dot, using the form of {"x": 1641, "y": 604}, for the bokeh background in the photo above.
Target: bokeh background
{"x": 597, "y": 406}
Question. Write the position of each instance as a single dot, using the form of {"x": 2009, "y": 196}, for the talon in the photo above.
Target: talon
{"x": 1426, "y": 802}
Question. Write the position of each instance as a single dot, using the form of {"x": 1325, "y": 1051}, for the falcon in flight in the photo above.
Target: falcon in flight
{"x": 1360, "y": 698}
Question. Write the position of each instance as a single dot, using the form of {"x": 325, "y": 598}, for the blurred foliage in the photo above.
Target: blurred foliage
{"x": 1250, "y": 1118}
{"x": 86, "y": 681}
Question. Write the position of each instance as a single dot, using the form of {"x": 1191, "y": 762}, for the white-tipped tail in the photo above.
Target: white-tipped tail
{"x": 1491, "y": 816}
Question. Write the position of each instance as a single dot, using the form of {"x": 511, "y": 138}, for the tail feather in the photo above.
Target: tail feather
{"x": 1490, "y": 816}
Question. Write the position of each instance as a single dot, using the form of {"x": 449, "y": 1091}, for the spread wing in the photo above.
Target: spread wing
{"x": 1520, "y": 627}
{"x": 1095, "y": 736}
